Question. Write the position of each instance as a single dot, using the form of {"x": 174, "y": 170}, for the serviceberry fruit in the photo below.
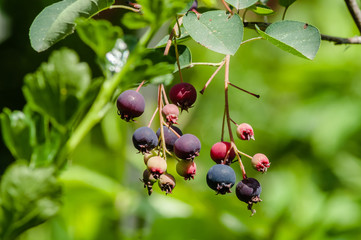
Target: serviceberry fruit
{"x": 130, "y": 104}
{"x": 186, "y": 169}
{"x": 248, "y": 190}
{"x": 219, "y": 153}
{"x": 144, "y": 139}
{"x": 221, "y": 178}
{"x": 187, "y": 147}
{"x": 171, "y": 112}
{"x": 169, "y": 136}
{"x": 156, "y": 166}
{"x": 245, "y": 131}
{"x": 166, "y": 183}
{"x": 260, "y": 162}
{"x": 148, "y": 155}
{"x": 148, "y": 180}
{"x": 183, "y": 95}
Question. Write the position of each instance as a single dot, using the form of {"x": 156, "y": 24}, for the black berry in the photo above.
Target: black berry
{"x": 183, "y": 95}
{"x": 130, "y": 104}
{"x": 248, "y": 190}
{"x": 187, "y": 147}
{"x": 221, "y": 178}
{"x": 145, "y": 139}
{"x": 169, "y": 136}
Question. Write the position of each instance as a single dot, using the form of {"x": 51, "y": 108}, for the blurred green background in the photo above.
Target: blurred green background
{"x": 307, "y": 121}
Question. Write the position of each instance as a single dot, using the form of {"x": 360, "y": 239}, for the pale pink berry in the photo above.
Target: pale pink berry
{"x": 260, "y": 162}
{"x": 171, "y": 112}
{"x": 157, "y": 166}
{"x": 245, "y": 131}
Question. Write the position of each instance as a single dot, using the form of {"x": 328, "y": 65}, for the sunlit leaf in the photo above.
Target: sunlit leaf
{"x": 216, "y": 30}
{"x": 241, "y": 4}
{"x": 300, "y": 39}
{"x": 262, "y": 10}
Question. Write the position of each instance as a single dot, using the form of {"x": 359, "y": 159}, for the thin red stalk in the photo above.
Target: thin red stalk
{"x": 224, "y": 119}
{"x": 161, "y": 120}
{"x": 177, "y": 57}
{"x": 213, "y": 75}
{"x": 165, "y": 124}
{"x": 151, "y": 120}
{"x": 171, "y": 35}
{"x": 140, "y": 85}
{"x": 164, "y": 94}
{"x": 234, "y": 122}
{"x": 253, "y": 94}
{"x": 227, "y": 7}
{"x": 244, "y": 154}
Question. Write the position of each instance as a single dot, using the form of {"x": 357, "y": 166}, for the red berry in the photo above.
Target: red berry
{"x": 166, "y": 183}
{"x": 157, "y": 166}
{"x": 219, "y": 153}
{"x": 245, "y": 131}
{"x": 183, "y": 95}
{"x": 171, "y": 112}
{"x": 186, "y": 169}
{"x": 260, "y": 162}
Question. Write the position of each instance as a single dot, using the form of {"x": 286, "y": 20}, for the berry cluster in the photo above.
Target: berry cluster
{"x": 168, "y": 140}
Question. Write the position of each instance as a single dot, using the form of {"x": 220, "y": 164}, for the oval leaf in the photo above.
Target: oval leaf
{"x": 262, "y": 10}
{"x": 286, "y": 3}
{"x": 300, "y": 39}
{"x": 216, "y": 30}
{"x": 241, "y": 4}
{"x": 57, "y": 21}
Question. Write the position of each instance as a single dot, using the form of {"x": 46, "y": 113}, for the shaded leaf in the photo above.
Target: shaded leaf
{"x": 134, "y": 20}
{"x": 300, "y": 39}
{"x": 57, "y": 21}
{"x": 184, "y": 37}
{"x": 216, "y": 30}
{"x": 286, "y": 3}
{"x": 99, "y": 35}
{"x": 241, "y": 4}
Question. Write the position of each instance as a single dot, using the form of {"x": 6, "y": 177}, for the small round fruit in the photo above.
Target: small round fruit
{"x": 245, "y": 131}
{"x": 156, "y": 166}
{"x": 248, "y": 190}
{"x": 148, "y": 181}
{"x": 219, "y": 153}
{"x": 186, "y": 169}
{"x": 260, "y": 162}
{"x": 130, "y": 104}
{"x": 166, "y": 183}
{"x": 148, "y": 155}
{"x": 183, "y": 95}
{"x": 144, "y": 139}
{"x": 187, "y": 147}
{"x": 221, "y": 178}
{"x": 171, "y": 112}
{"x": 169, "y": 136}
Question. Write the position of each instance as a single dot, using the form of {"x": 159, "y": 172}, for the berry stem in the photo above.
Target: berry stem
{"x": 164, "y": 94}
{"x": 244, "y": 175}
{"x": 253, "y": 94}
{"x": 244, "y": 154}
{"x": 223, "y": 121}
{"x": 124, "y": 7}
{"x": 151, "y": 120}
{"x": 251, "y": 40}
{"x": 233, "y": 122}
{"x": 213, "y": 75}
{"x": 171, "y": 35}
{"x": 177, "y": 57}
{"x": 165, "y": 124}
{"x": 161, "y": 120}
{"x": 227, "y": 7}
{"x": 140, "y": 85}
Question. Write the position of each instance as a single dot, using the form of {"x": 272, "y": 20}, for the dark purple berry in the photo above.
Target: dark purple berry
{"x": 169, "y": 136}
{"x": 148, "y": 181}
{"x": 248, "y": 190}
{"x": 130, "y": 104}
{"x": 221, "y": 178}
{"x": 183, "y": 95}
{"x": 145, "y": 139}
{"x": 186, "y": 169}
{"x": 166, "y": 183}
{"x": 156, "y": 166}
{"x": 219, "y": 153}
{"x": 187, "y": 147}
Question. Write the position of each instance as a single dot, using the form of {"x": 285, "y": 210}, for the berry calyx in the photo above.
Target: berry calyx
{"x": 144, "y": 139}
{"x": 221, "y": 178}
{"x": 186, "y": 169}
{"x": 169, "y": 136}
{"x": 187, "y": 147}
{"x": 222, "y": 153}
{"x": 260, "y": 162}
{"x": 245, "y": 131}
{"x": 171, "y": 112}
{"x": 248, "y": 190}
{"x": 130, "y": 104}
{"x": 183, "y": 95}
{"x": 166, "y": 183}
{"x": 148, "y": 181}
{"x": 156, "y": 166}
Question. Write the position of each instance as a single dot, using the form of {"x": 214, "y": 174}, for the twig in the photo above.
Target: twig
{"x": 171, "y": 35}
{"x": 253, "y": 94}
{"x": 355, "y": 12}
{"x": 213, "y": 75}
{"x": 151, "y": 120}
{"x": 124, "y": 7}
{"x": 164, "y": 94}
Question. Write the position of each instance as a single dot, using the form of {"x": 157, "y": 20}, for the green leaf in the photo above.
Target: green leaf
{"x": 28, "y": 198}
{"x": 261, "y": 10}
{"x": 184, "y": 37}
{"x": 134, "y": 21}
{"x": 300, "y": 39}
{"x": 57, "y": 87}
{"x": 216, "y": 30}
{"x": 17, "y": 130}
{"x": 99, "y": 35}
{"x": 57, "y": 21}
{"x": 286, "y": 3}
{"x": 241, "y": 4}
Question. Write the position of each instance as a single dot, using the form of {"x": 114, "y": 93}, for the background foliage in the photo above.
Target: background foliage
{"x": 308, "y": 122}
